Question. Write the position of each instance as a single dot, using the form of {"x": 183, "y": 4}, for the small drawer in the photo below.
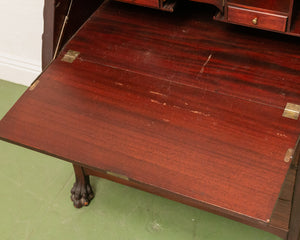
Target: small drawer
{"x": 257, "y": 19}
{"x": 146, "y": 3}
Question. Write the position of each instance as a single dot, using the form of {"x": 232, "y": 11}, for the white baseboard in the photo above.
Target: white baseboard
{"x": 18, "y": 71}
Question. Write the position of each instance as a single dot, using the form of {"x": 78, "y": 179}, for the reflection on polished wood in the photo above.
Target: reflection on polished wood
{"x": 175, "y": 104}
{"x": 273, "y": 15}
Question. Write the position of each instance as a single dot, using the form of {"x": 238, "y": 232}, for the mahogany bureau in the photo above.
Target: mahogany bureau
{"x": 274, "y": 15}
{"x": 194, "y": 110}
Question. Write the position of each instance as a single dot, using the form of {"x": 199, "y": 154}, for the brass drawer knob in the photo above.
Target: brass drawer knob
{"x": 255, "y": 21}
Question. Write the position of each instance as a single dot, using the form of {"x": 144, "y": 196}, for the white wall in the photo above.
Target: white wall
{"x": 21, "y": 28}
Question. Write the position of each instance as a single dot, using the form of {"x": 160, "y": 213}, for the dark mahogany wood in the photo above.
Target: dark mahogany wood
{"x": 160, "y": 102}
{"x": 295, "y": 24}
{"x": 229, "y": 152}
{"x": 281, "y": 217}
{"x": 271, "y": 15}
{"x": 257, "y": 18}
{"x": 147, "y": 3}
{"x": 294, "y": 233}
{"x": 278, "y": 15}
{"x": 55, "y": 12}
{"x": 273, "y": 5}
{"x": 282, "y": 211}
{"x": 217, "y": 3}
{"x": 256, "y": 66}
{"x": 166, "y": 5}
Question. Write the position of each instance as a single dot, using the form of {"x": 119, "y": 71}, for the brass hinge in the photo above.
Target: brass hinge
{"x": 289, "y": 155}
{"x": 33, "y": 86}
{"x": 291, "y": 111}
{"x": 70, "y": 56}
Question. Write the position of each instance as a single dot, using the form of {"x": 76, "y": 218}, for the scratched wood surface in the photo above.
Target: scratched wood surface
{"x": 243, "y": 62}
{"x": 171, "y": 104}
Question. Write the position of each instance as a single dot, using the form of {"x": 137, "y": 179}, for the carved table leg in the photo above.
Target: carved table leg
{"x": 81, "y": 193}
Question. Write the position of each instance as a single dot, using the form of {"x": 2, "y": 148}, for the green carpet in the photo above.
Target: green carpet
{"x": 35, "y": 204}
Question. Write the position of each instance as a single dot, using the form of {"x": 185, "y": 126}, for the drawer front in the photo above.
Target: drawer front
{"x": 257, "y": 19}
{"x": 147, "y": 3}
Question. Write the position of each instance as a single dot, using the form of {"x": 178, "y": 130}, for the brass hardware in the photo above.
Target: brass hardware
{"x": 289, "y": 155}
{"x": 291, "y": 111}
{"x": 62, "y": 30}
{"x": 255, "y": 21}
{"x": 70, "y": 56}
{"x": 118, "y": 175}
{"x": 33, "y": 86}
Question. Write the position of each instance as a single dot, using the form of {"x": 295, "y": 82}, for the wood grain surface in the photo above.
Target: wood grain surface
{"x": 171, "y": 103}
{"x": 249, "y": 64}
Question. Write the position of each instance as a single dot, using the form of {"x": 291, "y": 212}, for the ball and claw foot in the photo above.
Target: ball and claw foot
{"x": 81, "y": 194}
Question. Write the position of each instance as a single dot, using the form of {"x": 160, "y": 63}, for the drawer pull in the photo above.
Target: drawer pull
{"x": 258, "y": 19}
{"x": 255, "y": 21}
